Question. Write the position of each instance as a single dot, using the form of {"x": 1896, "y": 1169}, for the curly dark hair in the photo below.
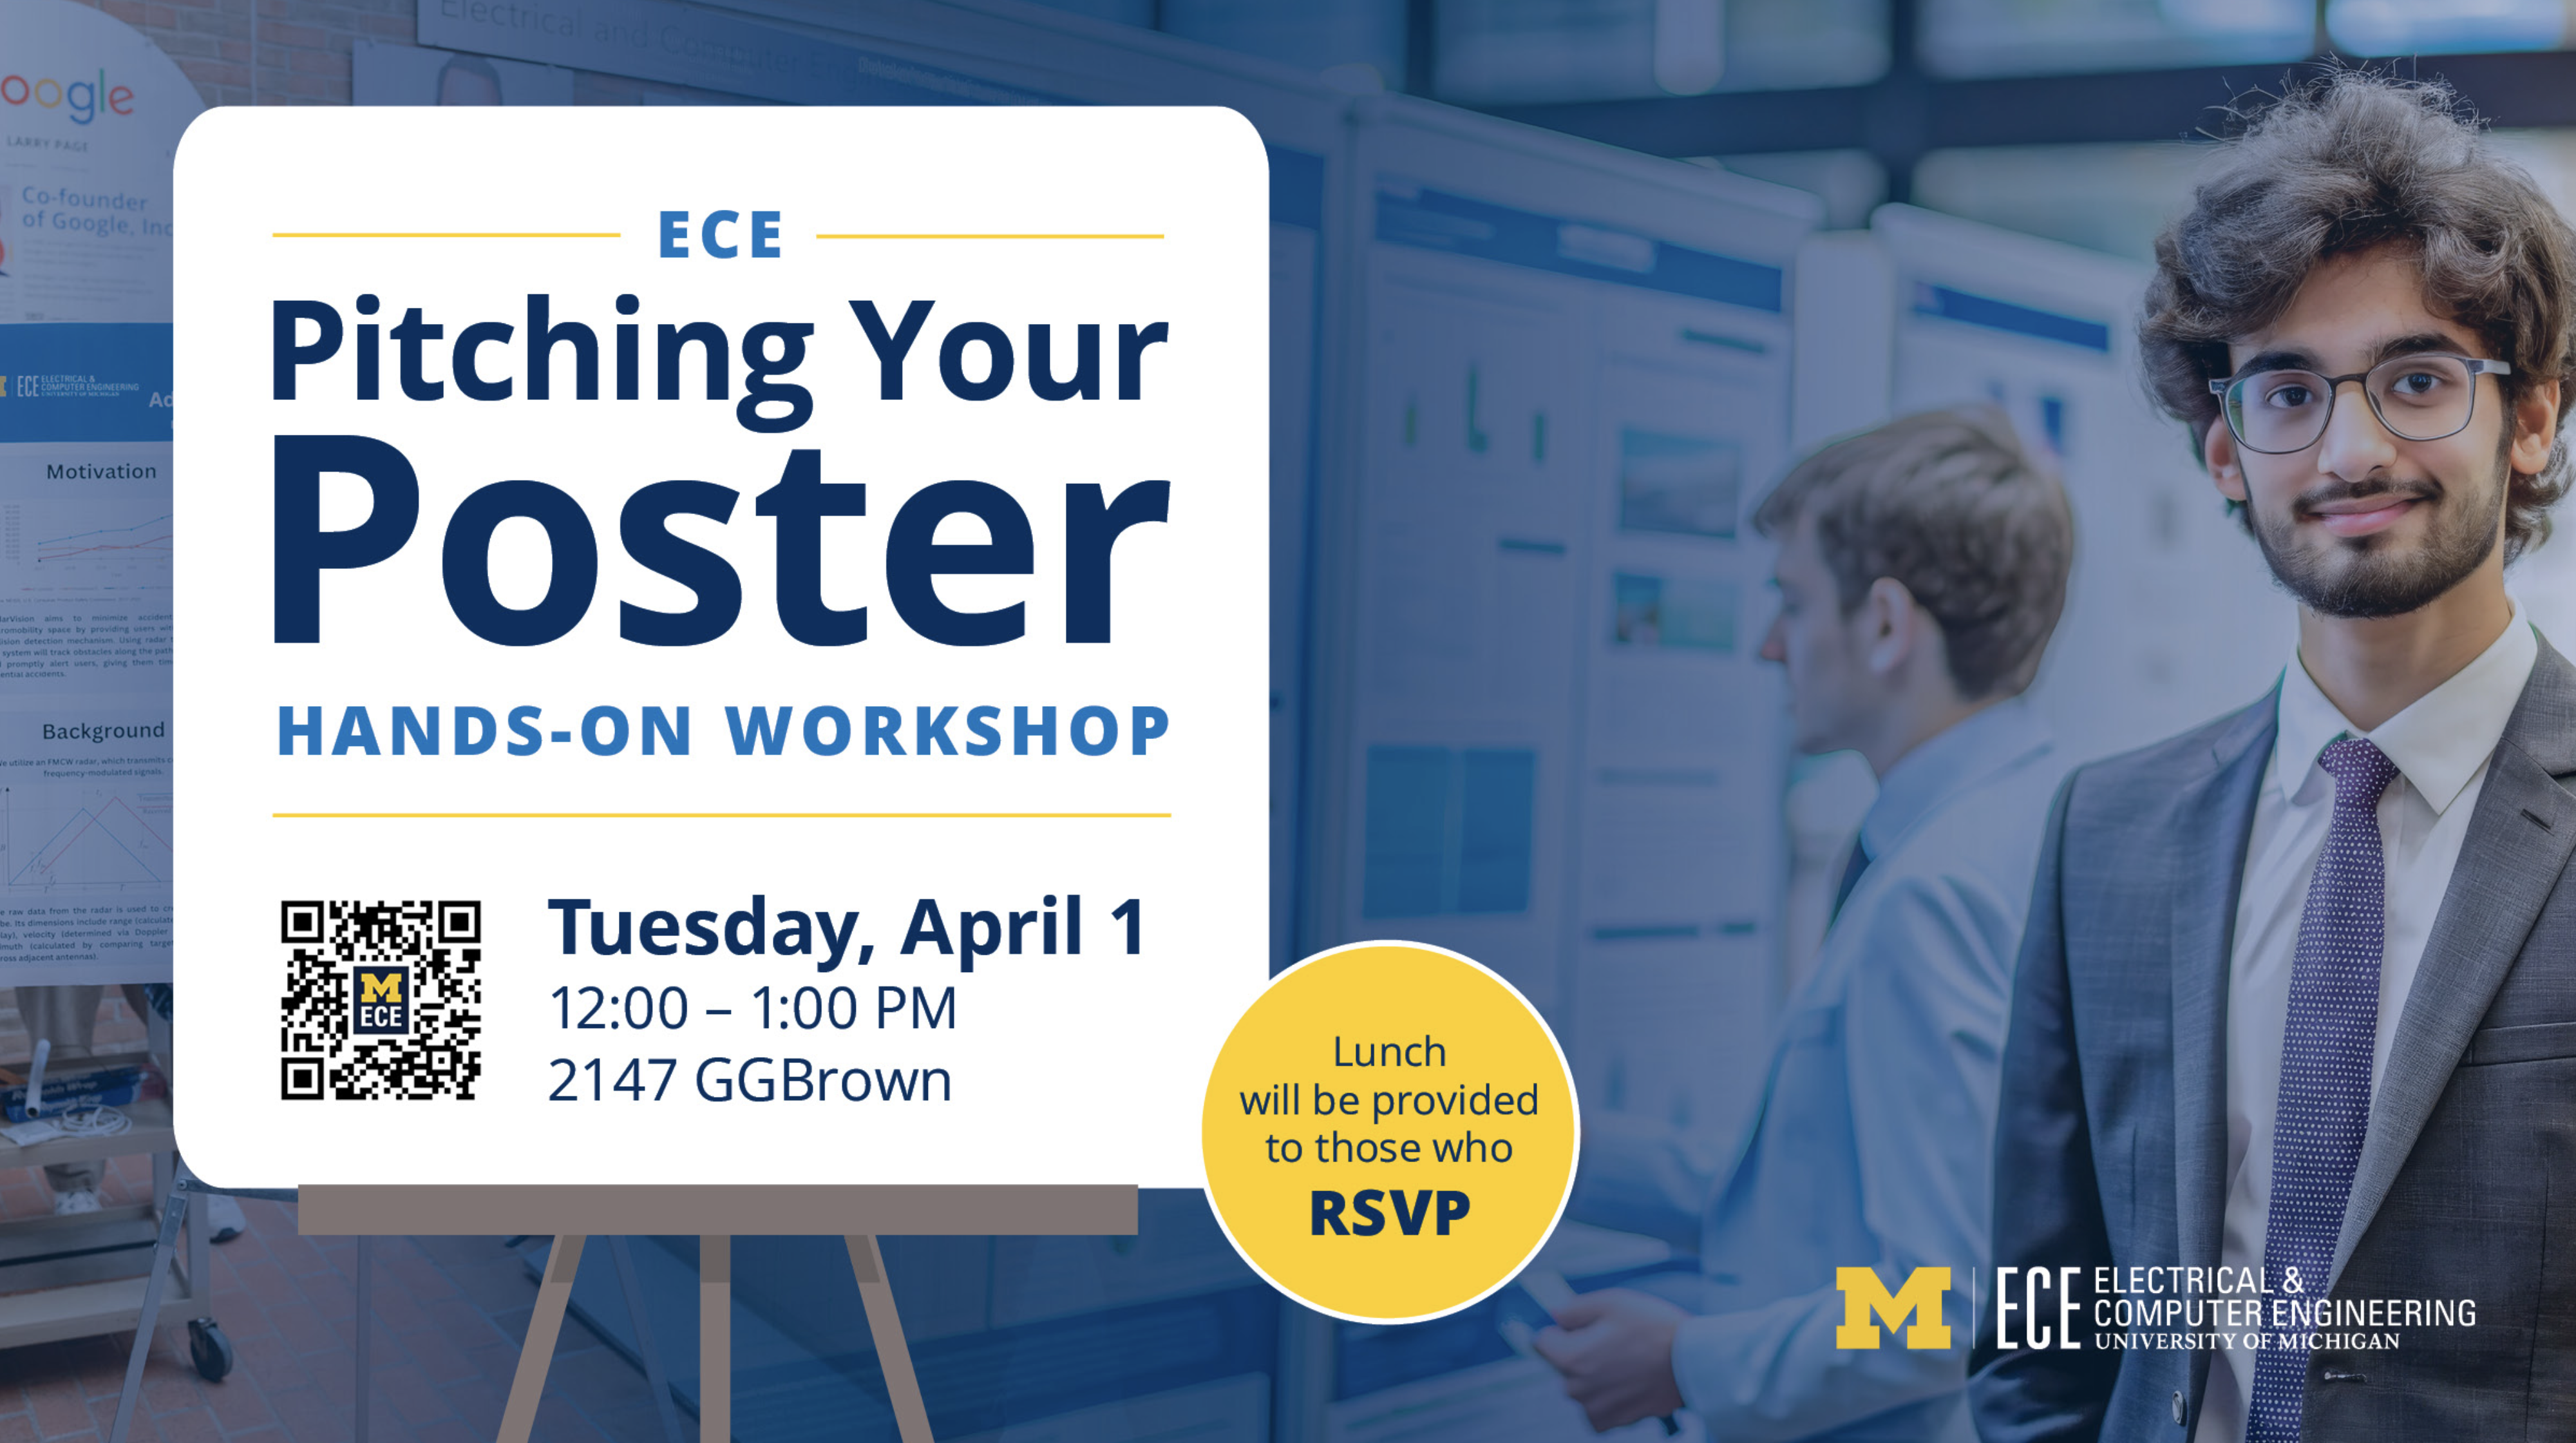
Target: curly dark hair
{"x": 1951, "y": 505}
{"x": 2354, "y": 161}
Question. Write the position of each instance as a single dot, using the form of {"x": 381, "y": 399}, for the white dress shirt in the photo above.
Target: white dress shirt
{"x": 2440, "y": 745}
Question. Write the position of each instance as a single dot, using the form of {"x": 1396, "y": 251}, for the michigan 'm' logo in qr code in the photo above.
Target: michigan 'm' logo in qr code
{"x": 382, "y": 1000}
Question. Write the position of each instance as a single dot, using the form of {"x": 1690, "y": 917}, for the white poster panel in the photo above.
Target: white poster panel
{"x": 90, "y": 115}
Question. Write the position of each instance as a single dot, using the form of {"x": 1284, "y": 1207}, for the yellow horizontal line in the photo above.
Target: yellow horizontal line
{"x": 640, "y": 816}
{"x": 985, "y": 235}
{"x": 445, "y": 234}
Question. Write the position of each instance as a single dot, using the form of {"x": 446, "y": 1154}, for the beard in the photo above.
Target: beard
{"x": 2363, "y": 577}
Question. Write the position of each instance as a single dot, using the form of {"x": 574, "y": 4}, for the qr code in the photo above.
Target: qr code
{"x": 382, "y": 1000}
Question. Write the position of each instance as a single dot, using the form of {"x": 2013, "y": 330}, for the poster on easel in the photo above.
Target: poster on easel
{"x": 91, "y": 113}
{"x": 710, "y": 644}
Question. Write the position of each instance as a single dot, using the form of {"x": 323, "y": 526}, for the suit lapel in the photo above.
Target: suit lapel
{"x": 2510, "y": 861}
{"x": 2214, "y": 818}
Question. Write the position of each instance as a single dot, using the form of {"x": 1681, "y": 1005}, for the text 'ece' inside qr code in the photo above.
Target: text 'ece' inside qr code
{"x": 382, "y": 1000}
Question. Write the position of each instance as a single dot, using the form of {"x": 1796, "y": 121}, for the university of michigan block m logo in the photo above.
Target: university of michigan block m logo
{"x": 1919, "y": 1301}
{"x": 382, "y": 1007}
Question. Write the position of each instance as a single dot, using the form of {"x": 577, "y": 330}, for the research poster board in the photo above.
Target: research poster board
{"x": 1542, "y": 735}
{"x": 614, "y": 487}
{"x": 90, "y": 114}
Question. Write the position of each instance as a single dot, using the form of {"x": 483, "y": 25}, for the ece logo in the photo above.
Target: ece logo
{"x": 382, "y": 998}
{"x": 1918, "y": 1301}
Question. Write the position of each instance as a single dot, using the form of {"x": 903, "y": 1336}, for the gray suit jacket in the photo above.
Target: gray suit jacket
{"x": 2111, "y": 1145}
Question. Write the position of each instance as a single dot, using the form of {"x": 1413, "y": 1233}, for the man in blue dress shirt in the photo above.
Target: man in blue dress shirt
{"x": 1921, "y": 569}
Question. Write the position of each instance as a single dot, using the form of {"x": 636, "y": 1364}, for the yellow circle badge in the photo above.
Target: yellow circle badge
{"x": 1390, "y": 1132}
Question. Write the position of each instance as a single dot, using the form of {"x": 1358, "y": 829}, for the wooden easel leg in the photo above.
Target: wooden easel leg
{"x": 535, "y": 1355}
{"x": 715, "y": 1338}
{"x": 903, "y": 1390}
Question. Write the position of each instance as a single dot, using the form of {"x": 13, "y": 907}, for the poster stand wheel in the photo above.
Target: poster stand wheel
{"x": 207, "y": 1346}
{"x": 716, "y": 1214}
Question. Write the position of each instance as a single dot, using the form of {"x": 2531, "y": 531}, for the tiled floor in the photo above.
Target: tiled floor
{"x": 449, "y": 1316}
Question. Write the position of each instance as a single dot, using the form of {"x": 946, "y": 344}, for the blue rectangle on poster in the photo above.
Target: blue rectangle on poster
{"x": 1448, "y": 831}
{"x": 1407, "y": 831}
{"x": 64, "y": 382}
{"x": 1439, "y": 220}
{"x": 1497, "y": 794}
{"x": 2020, "y": 320}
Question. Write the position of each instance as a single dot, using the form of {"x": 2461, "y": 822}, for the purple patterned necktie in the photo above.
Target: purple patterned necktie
{"x": 2324, "y": 1107}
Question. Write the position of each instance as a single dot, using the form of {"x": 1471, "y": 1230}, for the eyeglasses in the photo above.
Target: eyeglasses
{"x": 2417, "y": 397}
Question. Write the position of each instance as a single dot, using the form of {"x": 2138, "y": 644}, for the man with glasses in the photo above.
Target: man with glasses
{"x": 2288, "y": 1128}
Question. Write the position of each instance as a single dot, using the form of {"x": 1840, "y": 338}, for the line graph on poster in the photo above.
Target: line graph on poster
{"x": 74, "y": 547}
